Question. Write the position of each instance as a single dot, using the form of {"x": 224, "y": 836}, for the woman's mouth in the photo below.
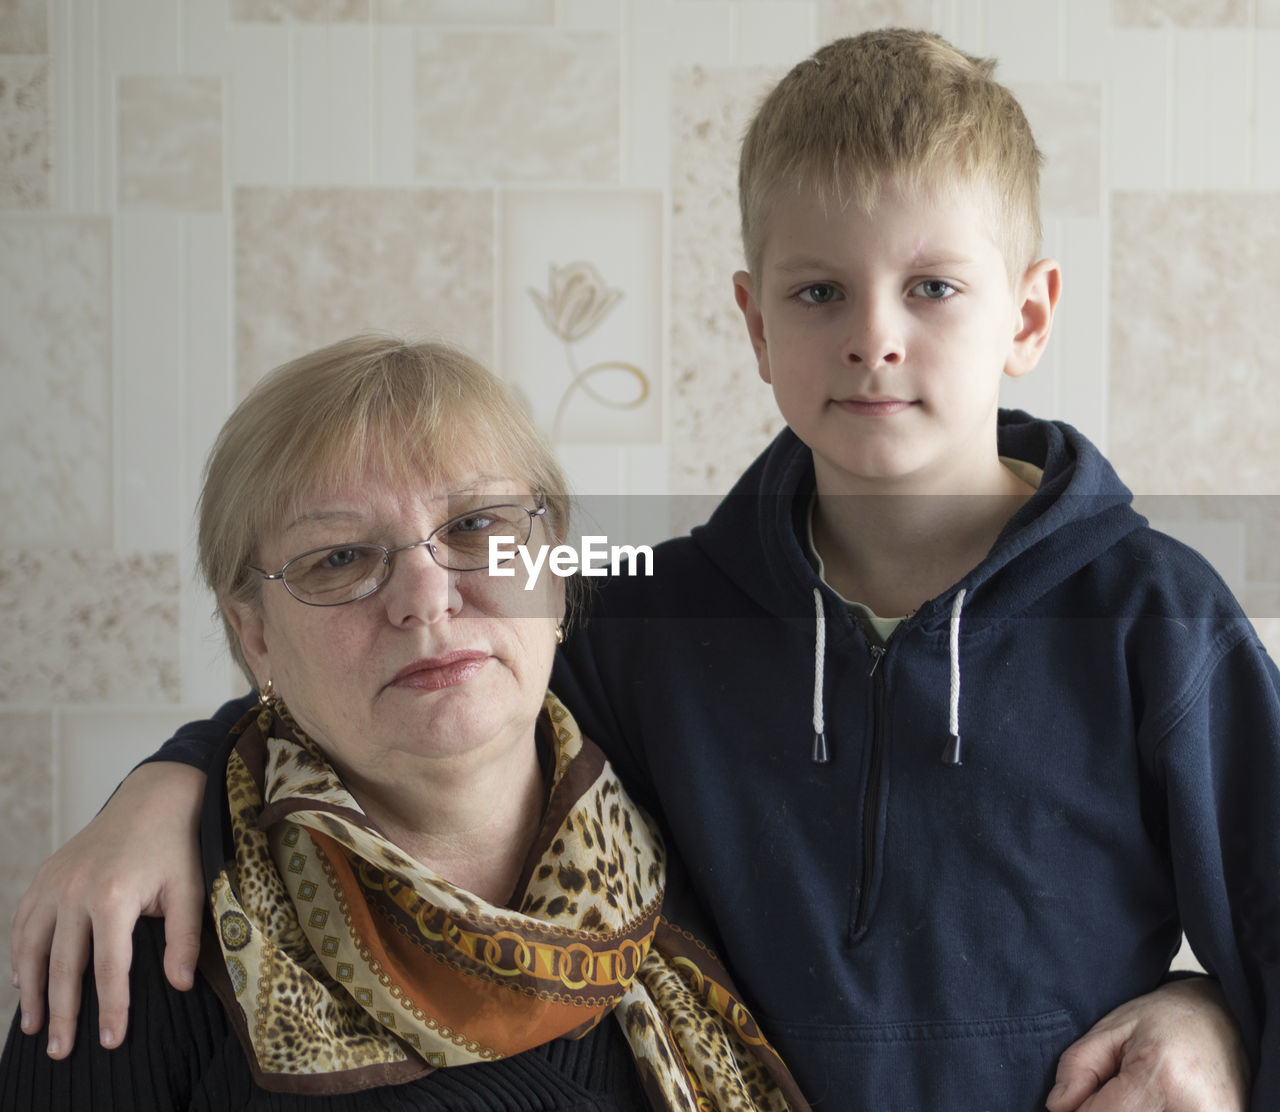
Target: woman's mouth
{"x": 437, "y": 672}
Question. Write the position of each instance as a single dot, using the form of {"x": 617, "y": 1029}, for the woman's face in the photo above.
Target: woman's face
{"x": 436, "y": 664}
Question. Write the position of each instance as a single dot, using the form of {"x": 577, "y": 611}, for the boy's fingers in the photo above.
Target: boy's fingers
{"x": 1083, "y": 1069}
{"x": 183, "y": 911}
{"x": 29, "y": 954}
{"x": 112, "y": 957}
{"x": 68, "y": 957}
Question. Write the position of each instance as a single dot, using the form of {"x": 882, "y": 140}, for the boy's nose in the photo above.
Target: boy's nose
{"x": 874, "y": 341}
{"x": 419, "y": 589}
{"x": 889, "y": 356}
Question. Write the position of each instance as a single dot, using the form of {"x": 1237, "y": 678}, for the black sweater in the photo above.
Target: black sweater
{"x": 181, "y": 1052}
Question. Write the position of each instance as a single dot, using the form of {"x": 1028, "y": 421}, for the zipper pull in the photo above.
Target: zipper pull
{"x": 877, "y": 654}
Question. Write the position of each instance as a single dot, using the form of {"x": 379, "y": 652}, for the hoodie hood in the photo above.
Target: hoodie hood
{"x": 1080, "y": 509}
{"x": 754, "y": 537}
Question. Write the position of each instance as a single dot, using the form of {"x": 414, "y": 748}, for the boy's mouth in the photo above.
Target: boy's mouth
{"x": 873, "y": 406}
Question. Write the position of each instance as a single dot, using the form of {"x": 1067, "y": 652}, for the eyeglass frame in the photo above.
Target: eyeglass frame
{"x": 388, "y": 553}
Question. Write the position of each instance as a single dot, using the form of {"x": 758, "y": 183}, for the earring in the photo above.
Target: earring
{"x": 560, "y": 633}
{"x": 267, "y": 702}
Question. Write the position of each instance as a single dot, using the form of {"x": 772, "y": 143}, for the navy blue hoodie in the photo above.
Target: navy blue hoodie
{"x": 921, "y": 935}
{"x": 911, "y": 932}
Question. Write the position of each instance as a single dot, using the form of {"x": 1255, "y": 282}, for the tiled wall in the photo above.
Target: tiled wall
{"x": 194, "y": 190}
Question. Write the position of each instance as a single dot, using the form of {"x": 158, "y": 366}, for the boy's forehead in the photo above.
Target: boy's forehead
{"x": 915, "y": 220}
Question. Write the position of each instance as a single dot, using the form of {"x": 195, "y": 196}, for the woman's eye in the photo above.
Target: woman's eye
{"x": 820, "y": 293}
{"x": 340, "y": 558}
{"x": 473, "y": 523}
{"x": 934, "y": 289}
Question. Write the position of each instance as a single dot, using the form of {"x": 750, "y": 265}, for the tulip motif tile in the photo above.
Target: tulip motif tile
{"x": 582, "y": 311}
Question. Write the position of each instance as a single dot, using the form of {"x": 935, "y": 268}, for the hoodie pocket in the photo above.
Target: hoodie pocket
{"x": 1004, "y": 1064}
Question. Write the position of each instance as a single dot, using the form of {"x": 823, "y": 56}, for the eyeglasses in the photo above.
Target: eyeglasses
{"x": 337, "y": 574}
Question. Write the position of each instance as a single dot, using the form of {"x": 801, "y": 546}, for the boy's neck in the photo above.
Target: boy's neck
{"x": 893, "y": 551}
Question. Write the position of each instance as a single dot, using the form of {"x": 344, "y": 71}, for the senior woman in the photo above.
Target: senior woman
{"x": 426, "y": 889}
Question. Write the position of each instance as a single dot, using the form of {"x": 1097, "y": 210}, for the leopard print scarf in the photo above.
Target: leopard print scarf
{"x": 353, "y": 965}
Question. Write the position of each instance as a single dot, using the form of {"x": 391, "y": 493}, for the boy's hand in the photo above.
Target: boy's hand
{"x": 1174, "y": 1050}
{"x": 139, "y": 856}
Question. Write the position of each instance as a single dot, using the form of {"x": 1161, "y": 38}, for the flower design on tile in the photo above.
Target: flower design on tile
{"x": 576, "y": 301}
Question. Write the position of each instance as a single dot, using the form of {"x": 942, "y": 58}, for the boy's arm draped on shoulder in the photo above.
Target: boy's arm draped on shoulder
{"x": 175, "y": 1049}
{"x": 139, "y": 856}
{"x": 1218, "y": 762}
{"x": 1173, "y": 1050}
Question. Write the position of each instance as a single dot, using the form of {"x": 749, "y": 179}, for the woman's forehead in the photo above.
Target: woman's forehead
{"x": 375, "y": 489}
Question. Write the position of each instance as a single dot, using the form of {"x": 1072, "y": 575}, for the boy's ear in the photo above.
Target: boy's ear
{"x": 248, "y": 623}
{"x": 744, "y": 294}
{"x": 1037, "y": 293}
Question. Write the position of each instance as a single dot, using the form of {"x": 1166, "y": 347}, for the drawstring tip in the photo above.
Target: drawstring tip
{"x": 821, "y": 754}
{"x": 951, "y": 754}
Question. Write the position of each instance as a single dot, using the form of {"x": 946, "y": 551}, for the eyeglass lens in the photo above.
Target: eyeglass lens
{"x": 343, "y": 573}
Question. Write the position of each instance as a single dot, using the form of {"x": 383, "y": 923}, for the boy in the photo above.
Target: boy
{"x": 927, "y": 887}
{"x": 989, "y": 737}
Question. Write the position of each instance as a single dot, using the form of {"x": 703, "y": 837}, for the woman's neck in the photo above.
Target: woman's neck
{"x": 470, "y": 819}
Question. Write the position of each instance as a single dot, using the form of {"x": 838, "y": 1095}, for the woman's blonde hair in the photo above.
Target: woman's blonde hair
{"x": 892, "y": 108}
{"x": 412, "y": 412}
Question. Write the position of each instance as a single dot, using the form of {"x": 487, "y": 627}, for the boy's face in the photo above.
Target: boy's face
{"x": 884, "y": 337}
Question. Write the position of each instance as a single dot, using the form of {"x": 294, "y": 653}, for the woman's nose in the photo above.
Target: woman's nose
{"x": 419, "y": 589}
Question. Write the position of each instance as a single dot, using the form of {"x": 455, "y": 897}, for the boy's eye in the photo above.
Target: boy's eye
{"x": 933, "y": 289}
{"x": 820, "y": 293}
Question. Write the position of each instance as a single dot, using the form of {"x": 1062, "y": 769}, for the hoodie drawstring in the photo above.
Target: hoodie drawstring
{"x": 951, "y": 751}
{"x": 821, "y": 755}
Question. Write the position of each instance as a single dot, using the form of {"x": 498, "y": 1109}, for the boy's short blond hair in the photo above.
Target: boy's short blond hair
{"x": 893, "y": 108}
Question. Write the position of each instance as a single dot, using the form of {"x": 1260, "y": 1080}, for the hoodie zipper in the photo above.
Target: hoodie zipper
{"x": 870, "y": 800}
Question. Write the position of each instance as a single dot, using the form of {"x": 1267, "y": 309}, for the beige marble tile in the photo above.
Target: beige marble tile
{"x": 303, "y": 11}
{"x": 510, "y": 13}
{"x": 24, "y": 27}
{"x": 86, "y": 625}
{"x": 473, "y": 13}
{"x": 1261, "y": 516}
{"x": 170, "y": 143}
{"x": 25, "y": 138}
{"x": 314, "y": 265}
{"x": 1261, "y": 602}
{"x": 1193, "y": 391}
{"x": 1067, "y": 122}
{"x": 722, "y": 414}
{"x": 513, "y": 107}
{"x": 1180, "y": 13}
{"x": 837, "y": 18}
{"x": 55, "y": 370}
{"x": 26, "y": 802}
